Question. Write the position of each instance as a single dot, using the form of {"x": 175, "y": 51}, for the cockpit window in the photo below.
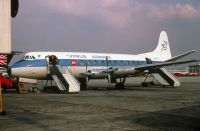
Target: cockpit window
{"x": 27, "y": 57}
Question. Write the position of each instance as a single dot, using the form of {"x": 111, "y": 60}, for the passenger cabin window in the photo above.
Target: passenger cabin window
{"x": 103, "y": 62}
{"x": 89, "y": 63}
{"x": 82, "y": 63}
{"x": 95, "y": 62}
{"x": 122, "y": 62}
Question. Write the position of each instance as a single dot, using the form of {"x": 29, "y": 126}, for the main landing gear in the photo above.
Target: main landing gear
{"x": 83, "y": 84}
{"x": 120, "y": 85}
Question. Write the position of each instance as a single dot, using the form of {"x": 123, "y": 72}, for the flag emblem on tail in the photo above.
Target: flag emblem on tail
{"x": 3, "y": 60}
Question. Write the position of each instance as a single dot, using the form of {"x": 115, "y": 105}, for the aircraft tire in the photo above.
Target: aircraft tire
{"x": 119, "y": 86}
{"x": 145, "y": 84}
{"x": 83, "y": 84}
{"x": 152, "y": 83}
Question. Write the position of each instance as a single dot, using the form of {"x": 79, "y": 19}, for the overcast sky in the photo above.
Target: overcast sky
{"x": 114, "y": 26}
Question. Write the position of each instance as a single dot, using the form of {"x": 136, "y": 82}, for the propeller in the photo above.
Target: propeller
{"x": 108, "y": 71}
{"x": 86, "y": 70}
{"x": 88, "y": 74}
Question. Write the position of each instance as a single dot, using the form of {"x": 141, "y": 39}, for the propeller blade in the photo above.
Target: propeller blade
{"x": 109, "y": 79}
{"x": 86, "y": 67}
{"x": 86, "y": 70}
{"x": 87, "y": 79}
{"x": 107, "y": 62}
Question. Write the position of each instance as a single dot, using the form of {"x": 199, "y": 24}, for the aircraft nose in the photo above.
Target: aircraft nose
{"x": 29, "y": 69}
{"x": 13, "y": 72}
{"x": 15, "y": 69}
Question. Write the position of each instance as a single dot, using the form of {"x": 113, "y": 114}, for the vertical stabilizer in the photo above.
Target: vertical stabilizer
{"x": 5, "y": 26}
{"x": 162, "y": 51}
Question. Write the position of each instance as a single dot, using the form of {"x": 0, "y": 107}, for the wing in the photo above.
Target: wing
{"x": 94, "y": 72}
{"x": 124, "y": 71}
{"x": 158, "y": 65}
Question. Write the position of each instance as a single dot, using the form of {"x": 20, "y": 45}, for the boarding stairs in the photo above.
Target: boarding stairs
{"x": 165, "y": 77}
{"x": 64, "y": 79}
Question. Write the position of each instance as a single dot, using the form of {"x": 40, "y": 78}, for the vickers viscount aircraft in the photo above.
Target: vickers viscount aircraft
{"x": 72, "y": 70}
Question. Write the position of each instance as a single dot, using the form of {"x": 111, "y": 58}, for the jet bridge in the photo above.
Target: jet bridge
{"x": 65, "y": 81}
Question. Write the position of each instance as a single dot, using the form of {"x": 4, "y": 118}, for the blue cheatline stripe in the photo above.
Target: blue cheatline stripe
{"x": 29, "y": 63}
{"x": 68, "y": 62}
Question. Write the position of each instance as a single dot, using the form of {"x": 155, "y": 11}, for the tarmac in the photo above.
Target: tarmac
{"x": 100, "y": 109}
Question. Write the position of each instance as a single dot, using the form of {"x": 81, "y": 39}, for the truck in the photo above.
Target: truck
{"x": 8, "y": 83}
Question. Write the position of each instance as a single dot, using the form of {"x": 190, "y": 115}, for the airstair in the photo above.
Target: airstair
{"x": 165, "y": 77}
{"x": 65, "y": 81}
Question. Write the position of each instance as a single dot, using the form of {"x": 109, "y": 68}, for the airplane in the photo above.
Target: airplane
{"x": 80, "y": 67}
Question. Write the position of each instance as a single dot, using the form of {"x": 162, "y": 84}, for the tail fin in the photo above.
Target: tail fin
{"x": 162, "y": 51}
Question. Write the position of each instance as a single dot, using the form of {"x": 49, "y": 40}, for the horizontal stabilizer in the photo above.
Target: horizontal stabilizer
{"x": 180, "y": 56}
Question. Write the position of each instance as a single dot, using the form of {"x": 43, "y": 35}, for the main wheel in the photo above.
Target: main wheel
{"x": 83, "y": 84}
{"x": 145, "y": 84}
{"x": 119, "y": 86}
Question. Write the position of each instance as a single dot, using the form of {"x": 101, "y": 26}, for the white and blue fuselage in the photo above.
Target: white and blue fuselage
{"x": 34, "y": 64}
{"x": 85, "y": 66}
